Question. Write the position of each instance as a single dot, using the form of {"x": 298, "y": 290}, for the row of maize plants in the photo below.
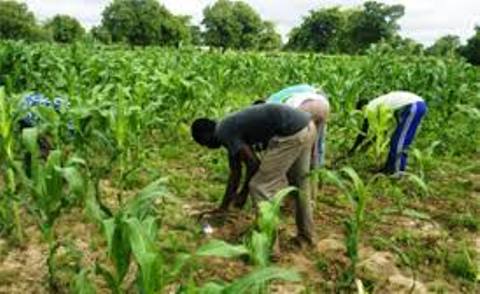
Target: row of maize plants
{"x": 126, "y": 102}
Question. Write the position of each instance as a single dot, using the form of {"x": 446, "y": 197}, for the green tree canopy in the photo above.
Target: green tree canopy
{"x": 17, "y": 22}
{"x": 142, "y": 22}
{"x": 320, "y": 31}
{"x": 234, "y": 24}
{"x": 445, "y": 46}
{"x": 398, "y": 45}
{"x": 101, "y": 34}
{"x": 196, "y": 35}
{"x": 471, "y": 51}
{"x": 65, "y": 29}
{"x": 376, "y": 21}
{"x": 338, "y": 30}
{"x": 269, "y": 39}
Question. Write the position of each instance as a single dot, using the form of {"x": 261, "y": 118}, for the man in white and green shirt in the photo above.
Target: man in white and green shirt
{"x": 409, "y": 110}
{"x": 312, "y": 100}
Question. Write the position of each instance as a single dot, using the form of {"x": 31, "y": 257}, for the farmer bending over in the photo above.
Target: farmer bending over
{"x": 287, "y": 136}
{"x": 30, "y": 120}
{"x": 409, "y": 110}
{"x": 313, "y": 101}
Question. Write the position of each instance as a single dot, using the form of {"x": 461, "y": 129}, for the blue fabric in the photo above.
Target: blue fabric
{"x": 318, "y": 152}
{"x": 321, "y": 149}
{"x": 37, "y": 99}
{"x": 282, "y": 95}
{"x": 403, "y": 136}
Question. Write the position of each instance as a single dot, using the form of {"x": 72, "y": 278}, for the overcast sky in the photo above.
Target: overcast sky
{"x": 424, "y": 20}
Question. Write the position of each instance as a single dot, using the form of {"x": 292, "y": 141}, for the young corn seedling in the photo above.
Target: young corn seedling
{"x": 131, "y": 233}
{"x": 253, "y": 282}
{"x": 264, "y": 238}
{"x": 357, "y": 194}
{"x": 258, "y": 247}
{"x": 54, "y": 184}
{"x": 380, "y": 126}
{"x": 82, "y": 284}
{"x": 425, "y": 158}
{"x": 259, "y": 244}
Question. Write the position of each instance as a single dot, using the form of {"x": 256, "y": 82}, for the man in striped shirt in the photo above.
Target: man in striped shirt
{"x": 409, "y": 110}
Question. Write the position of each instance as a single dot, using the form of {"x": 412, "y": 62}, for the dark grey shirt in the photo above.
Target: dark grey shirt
{"x": 257, "y": 124}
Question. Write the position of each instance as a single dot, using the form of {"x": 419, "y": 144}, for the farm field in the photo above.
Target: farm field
{"x": 116, "y": 207}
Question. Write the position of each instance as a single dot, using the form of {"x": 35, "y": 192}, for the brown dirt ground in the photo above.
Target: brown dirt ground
{"x": 23, "y": 269}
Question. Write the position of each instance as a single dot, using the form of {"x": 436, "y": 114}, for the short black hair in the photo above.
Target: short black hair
{"x": 203, "y": 132}
{"x": 361, "y": 102}
{"x": 258, "y": 101}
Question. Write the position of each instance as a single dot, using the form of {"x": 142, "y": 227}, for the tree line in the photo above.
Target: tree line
{"x": 236, "y": 25}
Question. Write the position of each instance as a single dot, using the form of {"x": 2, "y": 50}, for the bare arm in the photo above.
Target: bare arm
{"x": 360, "y": 138}
{"x": 252, "y": 163}
{"x": 233, "y": 180}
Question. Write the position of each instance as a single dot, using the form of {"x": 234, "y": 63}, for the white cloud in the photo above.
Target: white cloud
{"x": 424, "y": 20}
{"x": 88, "y": 12}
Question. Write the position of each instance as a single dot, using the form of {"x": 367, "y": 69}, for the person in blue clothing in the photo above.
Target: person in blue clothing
{"x": 31, "y": 120}
{"x": 409, "y": 110}
{"x": 34, "y": 100}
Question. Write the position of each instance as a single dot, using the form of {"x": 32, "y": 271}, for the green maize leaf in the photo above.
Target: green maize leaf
{"x": 141, "y": 205}
{"x": 53, "y": 178}
{"x": 211, "y": 288}
{"x": 280, "y": 196}
{"x": 150, "y": 227}
{"x": 181, "y": 260}
{"x": 261, "y": 277}
{"x": 259, "y": 245}
{"x": 48, "y": 114}
{"x": 103, "y": 140}
{"x": 269, "y": 212}
{"x": 76, "y": 161}
{"x": 220, "y": 248}
{"x": 92, "y": 207}
{"x": 121, "y": 251}
{"x": 74, "y": 179}
{"x": 30, "y": 136}
{"x": 118, "y": 245}
{"x": 418, "y": 182}
{"x": 109, "y": 229}
{"x": 82, "y": 285}
{"x": 333, "y": 177}
{"x": 355, "y": 179}
{"x": 143, "y": 249}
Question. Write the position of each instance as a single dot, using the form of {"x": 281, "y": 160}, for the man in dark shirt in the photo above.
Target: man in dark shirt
{"x": 287, "y": 136}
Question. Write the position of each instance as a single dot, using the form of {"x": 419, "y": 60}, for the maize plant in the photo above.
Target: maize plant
{"x": 54, "y": 183}
{"x": 9, "y": 207}
{"x": 130, "y": 105}
{"x": 380, "y": 126}
{"x": 258, "y": 247}
{"x": 131, "y": 235}
{"x": 357, "y": 194}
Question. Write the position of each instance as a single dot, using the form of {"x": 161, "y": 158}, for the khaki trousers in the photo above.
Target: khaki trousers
{"x": 287, "y": 159}
{"x": 320, "y": 110}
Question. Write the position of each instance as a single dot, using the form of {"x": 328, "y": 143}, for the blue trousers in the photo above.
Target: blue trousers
{"x": 408, "y": 122}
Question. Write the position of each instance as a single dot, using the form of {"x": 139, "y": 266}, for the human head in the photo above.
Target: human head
{"x": 361, "y": 103}
{"x": 203, "y": 132}
{"x": 258, "y": 101}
